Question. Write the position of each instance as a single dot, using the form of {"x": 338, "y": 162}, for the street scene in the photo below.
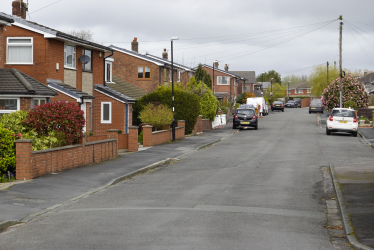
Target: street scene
{"x": 186, "y": 125}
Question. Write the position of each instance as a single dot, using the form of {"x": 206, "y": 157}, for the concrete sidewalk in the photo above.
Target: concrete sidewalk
{"x": 24, "y": 201}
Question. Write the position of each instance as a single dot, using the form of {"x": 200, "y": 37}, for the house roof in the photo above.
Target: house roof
{"x": 14, "y": 82}
{"x": 220, "y": 70}
{"x": 250, "y": 76}
{"x": 369, "y": 78}
{"x": 68, "y": 90}
{"x": 127, "y": 88}
{"x": 300, "y": 85}
{"x": 135, "y": 54}
{"x": 6, "y": 20}
{"x": 114, "y": 94}
{"x": 169, "y": 62}
{"x": 52, "y": 33}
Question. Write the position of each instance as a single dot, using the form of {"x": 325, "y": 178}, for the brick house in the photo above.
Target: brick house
{"x": 226, "y": 85}
{"x": 146, "y": 71}
{"x": 67, "y": 64}
{"x": 300, "y": 89}
{"x": 19, "y": 91}
{"x": 248, "y": 80}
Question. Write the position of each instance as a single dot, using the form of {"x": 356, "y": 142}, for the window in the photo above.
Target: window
{"x": 106, "y": 112}
{"x": 223, "y": 80}
{"x": 289, "y": 91}
{"x": 144, "y": 72}
{"x": 8, "y": 105}
{"x": 87, "y": 66}
{"x": 69, "y": 54}
{"x": 20, "y": 50}
{"x": 309, "y": 91}
{"x": 38, "y": 101}
{"x": 108, "y": 71}
{"x": 300, "y": 91}
{"x": 179, "y": 76}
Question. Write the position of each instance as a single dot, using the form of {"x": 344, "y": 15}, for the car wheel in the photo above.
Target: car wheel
{"x": 282, "y": 110}
{"x": 322, "y": 112}
{"x": 255, "y": 127}
{"x": 328, "y": 131}
{"x": 233, "y": 126}
{"x": 310, "y": 112}
{"x": 354, "y": 134}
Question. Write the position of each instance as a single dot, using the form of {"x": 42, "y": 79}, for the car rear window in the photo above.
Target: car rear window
{"x": 343, "y": 113}
{"x": 248, "y": 112}
{"x": 276, "y": 102}
{"x": 316, "y": 103}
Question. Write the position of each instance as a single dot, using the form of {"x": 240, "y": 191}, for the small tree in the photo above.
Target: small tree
{"x": 7, "y": 150}
{"x": 202, "y": 75}
{"x": 14, "y": 121}
{"x": 156, "y": 115}
{"x": 57, "y": 116}
{"x": 353, "y": 94}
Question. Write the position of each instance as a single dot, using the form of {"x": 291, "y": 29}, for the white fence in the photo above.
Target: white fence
{"x": 219, "y": 120}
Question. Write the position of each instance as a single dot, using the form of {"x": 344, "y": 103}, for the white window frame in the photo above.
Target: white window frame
{"x": 4, "y": 111}
{"x": 74, "y": 57}
{"x": 20, "y": 44}
{"x": 309, "y": 91}
{"x": 91, "y": 60}
{"x": 106, "y": 71}
{"x": 39, "y": 100}
{"x": 102, "y": 112}
{"x": 300, "y": 91}
{"x": 289, "y": 91}
{"x": 219, "y": 81}
{"x": 179, "y": 76}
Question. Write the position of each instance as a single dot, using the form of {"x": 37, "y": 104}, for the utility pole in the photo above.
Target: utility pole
{"x": 327, "y": 73}
{"x": 340, "y": 60}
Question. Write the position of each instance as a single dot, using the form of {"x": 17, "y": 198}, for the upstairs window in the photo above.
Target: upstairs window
{"x": 19, "y": 50}
{"x": 309, "y": 91}
{"x": 223, "y": 80}
{"x": 301, "y": 91}
{"x": 144, "y": 72}
{"x": 108, "y": 71}
{"x": 87, "y": 66}
{"x": 69, "y": 55}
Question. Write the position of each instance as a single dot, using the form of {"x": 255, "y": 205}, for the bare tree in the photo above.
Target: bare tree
{"x": 82, "y": 34}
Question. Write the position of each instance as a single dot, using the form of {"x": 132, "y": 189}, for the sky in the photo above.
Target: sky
{"x": 288, "y": 36}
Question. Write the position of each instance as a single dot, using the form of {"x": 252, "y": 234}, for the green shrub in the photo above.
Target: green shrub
{"x": 52, "y": 140}
{"x": 14, "y": 121}
{"x": 224, "y": 109}
{"x": 57, "y": 116}
{"x": 140, "y": 138}
{"x": 156, "y": 115}
{"x": 187, "y": 105}
{"x": 7, "y": 150}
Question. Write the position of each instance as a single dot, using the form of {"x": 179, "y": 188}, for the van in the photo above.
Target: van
{"x": 298, "y": 102}
{"x": 259, "y": 101}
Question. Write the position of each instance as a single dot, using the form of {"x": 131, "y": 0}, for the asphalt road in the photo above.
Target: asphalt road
{"x": 256, "y": 190}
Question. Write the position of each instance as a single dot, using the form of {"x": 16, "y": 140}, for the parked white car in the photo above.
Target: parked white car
{"x": 342, "y": 120}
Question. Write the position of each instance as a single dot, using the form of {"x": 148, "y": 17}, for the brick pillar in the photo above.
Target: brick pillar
{"x": 198, "y": 128}
{"x": 113, "y": 134}
{"x": 182, "y": 123}
{"x": 23, "y": 159}
{"x": 133, "y": 139}
{"x": 147, "y": 135}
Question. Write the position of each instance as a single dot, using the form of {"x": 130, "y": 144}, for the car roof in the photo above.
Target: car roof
{"x": 343, "y": 109}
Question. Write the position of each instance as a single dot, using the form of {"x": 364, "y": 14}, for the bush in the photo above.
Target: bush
{"x": 140, "y": 138}
{"x": 57, "y": 116}
{"x": 7, "y": 150}
{"x": 353, "y": 93}
{"x": 14, "y": 121}
{"x": 157, "y": 116}
{"x": 224, "y": 109}
{"x": 187, "y": 106}
{"x": 52, "y": 140}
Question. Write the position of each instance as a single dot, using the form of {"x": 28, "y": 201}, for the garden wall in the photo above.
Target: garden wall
{"x": 162, "y": 136}
{"x": 31, "y": 164}
{"x": 365, "y": 113}
{"x": 207, "y": 125}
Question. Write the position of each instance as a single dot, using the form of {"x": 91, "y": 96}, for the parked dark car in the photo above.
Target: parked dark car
{"x": 244, "y": 118}
{"x": 298, "y": 102}
{"x": 315, "y": 106}
{"x": 277, "y": 105}
{"x": 291, "y": 104}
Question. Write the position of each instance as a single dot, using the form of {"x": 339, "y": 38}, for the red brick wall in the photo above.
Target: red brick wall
{"x": 2, "y": 47}
{"x": 25, "y": 103}
{"x": 207, "y": 125}
{"x": 199, "y": 125}
{"x": 61, "y": 97}
{"x": 126, "y": 68}
{"x": 31, "y": 164}
{"x": 294, "y": 92}
{"x": 118, "y": 114}
{"x": 231, "y": 89}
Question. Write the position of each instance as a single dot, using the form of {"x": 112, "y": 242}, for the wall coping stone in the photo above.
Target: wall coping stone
{"x": 23, "y": 140}
{"x": 181, "y": 121}
{"x": 160, "y": 131}
{"x": 147, "y": 126}
{"x": 113, "y": 130}
{"x": 134, "y": 127}
{"x": 101, "y": 141}
{"x": 56, "y": 149}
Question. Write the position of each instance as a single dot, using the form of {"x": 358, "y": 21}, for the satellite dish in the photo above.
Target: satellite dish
{"x": 84, "y": 59}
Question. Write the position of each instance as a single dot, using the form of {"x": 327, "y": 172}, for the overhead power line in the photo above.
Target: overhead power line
{"x": 45, "y": 6}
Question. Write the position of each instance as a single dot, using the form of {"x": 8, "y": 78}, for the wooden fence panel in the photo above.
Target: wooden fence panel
{"x": 123, "y": 141}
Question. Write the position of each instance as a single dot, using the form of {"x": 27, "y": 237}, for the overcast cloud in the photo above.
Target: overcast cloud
{"x": 247, "y": 35}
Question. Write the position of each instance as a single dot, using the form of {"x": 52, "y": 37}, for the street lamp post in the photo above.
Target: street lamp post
{"x": 172, "y": 85}
{"x": 262, "y": 82}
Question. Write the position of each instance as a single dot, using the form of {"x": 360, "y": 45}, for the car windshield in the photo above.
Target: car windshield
{"x": 290, "y": 102}
{"x": 343, "y": 113}
{"x": 248, "y": 112}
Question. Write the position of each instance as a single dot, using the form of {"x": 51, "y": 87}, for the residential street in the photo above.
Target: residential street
{"x": 258, "y": 189}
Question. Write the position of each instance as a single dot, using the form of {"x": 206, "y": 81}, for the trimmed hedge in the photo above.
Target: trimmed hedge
{"x": 187, "y": 106}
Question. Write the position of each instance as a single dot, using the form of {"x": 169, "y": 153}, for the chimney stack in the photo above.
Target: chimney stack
{"x": 165, "y": 54}
{"x": 19, "y": 8}
{"x": 226, "y": 67}
{"x": 135, "y": 45}
{"x": 216, "y": 64}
